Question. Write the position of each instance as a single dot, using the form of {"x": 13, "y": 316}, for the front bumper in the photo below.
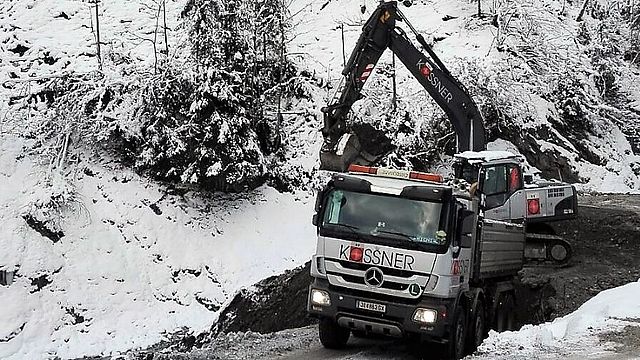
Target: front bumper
{"x": 397, "y": 320}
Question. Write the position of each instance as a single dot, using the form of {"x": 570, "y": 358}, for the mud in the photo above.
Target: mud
{"x": 626, "y": 341}
{"x": 606, "y": 251}
{"x": 274, "y": 304}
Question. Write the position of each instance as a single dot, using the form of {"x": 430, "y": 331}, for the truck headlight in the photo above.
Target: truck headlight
{"x": 425, "y": 316}
{"x": 320, "y": 297}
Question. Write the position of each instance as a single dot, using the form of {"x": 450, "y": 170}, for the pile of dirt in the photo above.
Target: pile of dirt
{"x": 273, "y": 304}
{"x": 605, "y": 237}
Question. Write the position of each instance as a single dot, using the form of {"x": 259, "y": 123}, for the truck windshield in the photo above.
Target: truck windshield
{"x": 385, "y": 216}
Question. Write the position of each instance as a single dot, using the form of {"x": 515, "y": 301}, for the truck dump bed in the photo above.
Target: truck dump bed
{"x": 499, "y": 251}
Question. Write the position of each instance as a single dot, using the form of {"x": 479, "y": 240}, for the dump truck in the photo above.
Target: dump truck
{"x": 408, "y": 254}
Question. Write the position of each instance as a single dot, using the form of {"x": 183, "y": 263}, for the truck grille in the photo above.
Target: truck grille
{"x": 387, "y": 271}
{"x": 386, "y": 285}
{"x": 396, "y": 283}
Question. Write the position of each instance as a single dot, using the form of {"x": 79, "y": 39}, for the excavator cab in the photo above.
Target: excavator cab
{"x": 498, "y": 176}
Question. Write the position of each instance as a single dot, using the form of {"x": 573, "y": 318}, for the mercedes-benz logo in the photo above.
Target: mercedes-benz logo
{"x": 373, "y": 277}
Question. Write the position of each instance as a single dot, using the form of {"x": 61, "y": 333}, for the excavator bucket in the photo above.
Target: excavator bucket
{"x": 365, "y": 145}
{"x": 343, "y": 155}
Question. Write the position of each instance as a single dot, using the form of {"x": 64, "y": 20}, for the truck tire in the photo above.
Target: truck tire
{"x": 477, "y": 328}
{"x": 455, "y": 347}
{"x": 332, "y": 336}
{"x": 505, "y": 317}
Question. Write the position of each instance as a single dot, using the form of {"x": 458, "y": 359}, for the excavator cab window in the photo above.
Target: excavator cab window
{"x": 500, "y": 182}
{"x": 495, "y": 180}
{"x": 466, "y": 171}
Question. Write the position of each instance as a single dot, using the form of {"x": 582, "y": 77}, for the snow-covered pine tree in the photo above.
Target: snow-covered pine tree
{"x": 200, "y": 126}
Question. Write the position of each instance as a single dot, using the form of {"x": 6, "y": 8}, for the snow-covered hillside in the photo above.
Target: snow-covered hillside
{"x": 136, "y": 260}
{"x": 108, "y": 260}
{"x": 577, "y": 89}
{"x": 105, "y": 260}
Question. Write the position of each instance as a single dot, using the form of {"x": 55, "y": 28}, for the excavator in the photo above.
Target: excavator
{"x": 498, "y": 176}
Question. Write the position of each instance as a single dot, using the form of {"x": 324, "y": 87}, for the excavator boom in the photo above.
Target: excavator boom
{"x": 379, "y": 33}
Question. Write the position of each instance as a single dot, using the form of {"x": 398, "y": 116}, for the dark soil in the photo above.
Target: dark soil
{"x": 606, "y": 252}
{"x": 274, "y": 304}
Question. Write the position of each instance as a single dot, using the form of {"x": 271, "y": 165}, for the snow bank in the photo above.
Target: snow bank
{"x": 607, "y": 311}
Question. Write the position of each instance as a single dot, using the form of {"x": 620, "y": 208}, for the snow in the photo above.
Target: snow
{"x": 138, "y": 260}
{"x": 486, "y": 155}
{"x": 610, "y": 310}
{"x": 126, "y": 28}
{"x": 133, "y": 274}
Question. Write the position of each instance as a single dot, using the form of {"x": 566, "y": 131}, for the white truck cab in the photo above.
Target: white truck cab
{"x": 405, "y": 254}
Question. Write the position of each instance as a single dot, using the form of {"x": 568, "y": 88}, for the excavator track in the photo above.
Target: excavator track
{"x": 547, "y": 250}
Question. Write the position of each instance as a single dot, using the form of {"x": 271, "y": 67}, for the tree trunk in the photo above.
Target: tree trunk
{"x": 98, "y": 37}
{"x": 584, "y": 7}
{"x": 394, "y": 99}
{"x": 164, "y": 23}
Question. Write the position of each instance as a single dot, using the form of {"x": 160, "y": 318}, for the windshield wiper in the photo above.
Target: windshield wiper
{"x": 390, "y": 232}
{"x": 354, "y": 229}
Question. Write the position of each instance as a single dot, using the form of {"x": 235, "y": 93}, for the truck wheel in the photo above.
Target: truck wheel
{"x": 477, "y": 329}
{"x": 332, "y": 336}
{"x": 505, "y": 318}
{"x": 457, "y": 336}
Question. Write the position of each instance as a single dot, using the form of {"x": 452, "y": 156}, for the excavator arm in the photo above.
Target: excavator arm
{"x": 379, "y": 33}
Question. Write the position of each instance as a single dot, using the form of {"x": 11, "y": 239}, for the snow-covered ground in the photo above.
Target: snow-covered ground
{"x": 136, "y": 261}
{"x": 577, "y": 335}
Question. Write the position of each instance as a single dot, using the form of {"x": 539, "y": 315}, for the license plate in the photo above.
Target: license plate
{"x": 371, "y": 306}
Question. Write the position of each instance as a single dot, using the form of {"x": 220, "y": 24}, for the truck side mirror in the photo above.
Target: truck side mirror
{"x": 319, "y": 199}
{"x": 318, "y": 205}
{"x": 466, "y": 224}
{"x": 481, "y": 176}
